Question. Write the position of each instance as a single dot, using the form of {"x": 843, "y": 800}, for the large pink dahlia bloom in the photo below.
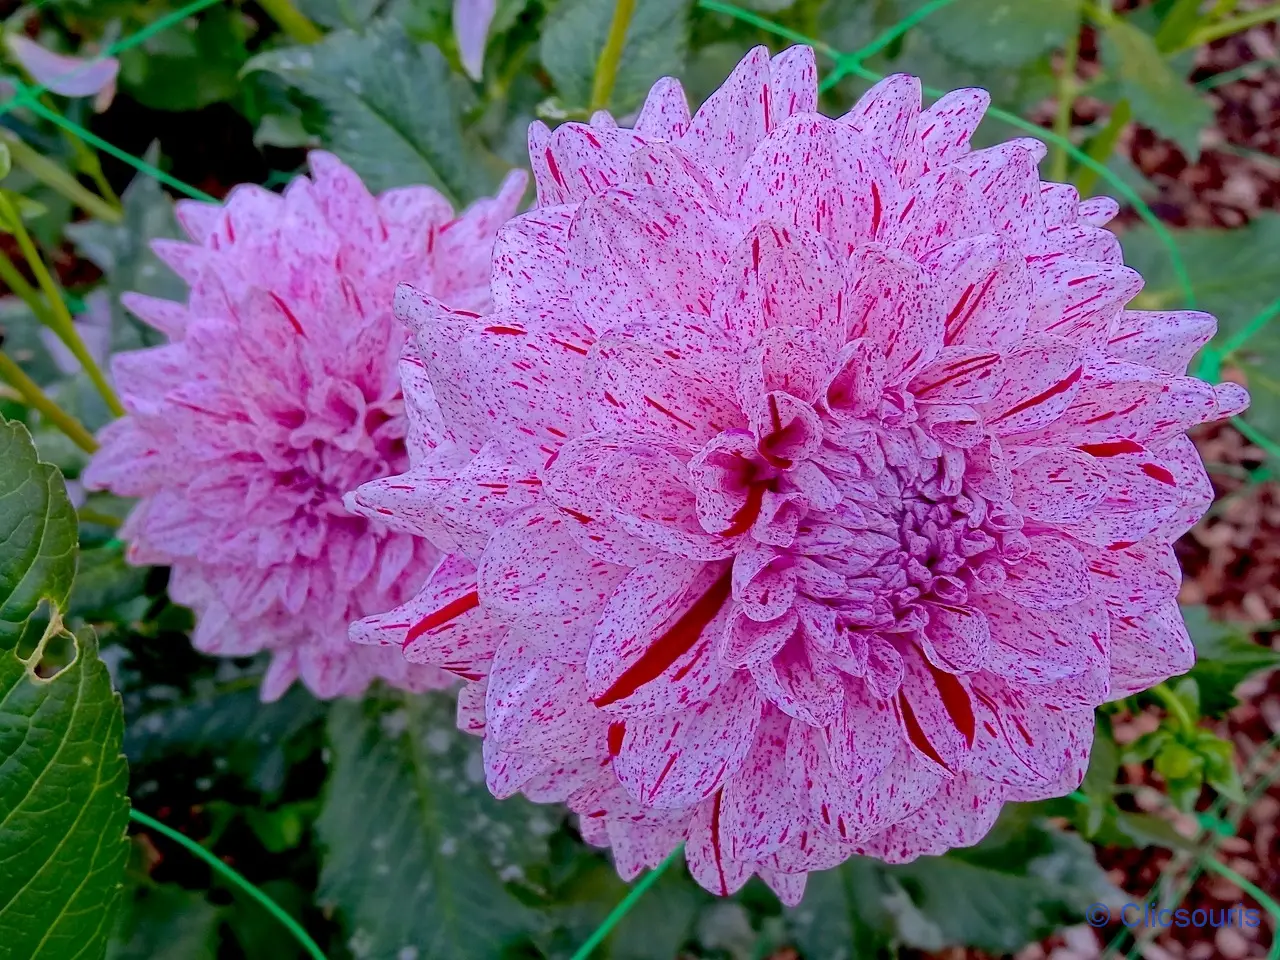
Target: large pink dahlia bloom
{"x": 277, "y": 393}
{"x": 808, "y": 486}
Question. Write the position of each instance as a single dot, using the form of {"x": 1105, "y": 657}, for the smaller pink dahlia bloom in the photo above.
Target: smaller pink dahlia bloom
{"x": 809, "y": 485}
{"x": 278, "y": 392}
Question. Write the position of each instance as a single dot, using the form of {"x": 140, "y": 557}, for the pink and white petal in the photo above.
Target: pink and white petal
{"x": 665, "y": 114}
{"x": 471, "y": 20}
{"x": 536, "y": 705}
{"x": 960, "y": 814}
{"x": 1136, "y": 576}
{"x": 529, "y": 259}
{"x": 957, "y": 638}
{"x": 1042, "y": 377}
{"x": 1081, "y": 301}
{"x": 944, "y": 129}
{"x": 801, "y": 683}
{"x": 793, "y": 84}
{"x": 886, "y": 113}
{"x": 638, "y": 386}
{"x": 1183, "y": 460}
{"x": 889, "y": 307}
{"x": 1030, "y": 646}
{"x": 757, "y": 810}
{"x": 709, "y": 863}
{"x": 733, "y": 120}
{"x": 1166, "y": 340}
{"x": 863, "y": 738}
{"x": 678, "y": 759}
{"x": 935, "y": 710}
{"x": 1020, "y": 741}
{"x": 65, "y": 76}
{"x": 535, "y": 575}
{"x": 1148, "y": 648}
{"x": 656, "y": 645}
{"x": 1051, "y": 575}
{"x": 983, "y": 288}
{"x": 1058, "y": 485}
{"x": 959, "y": 374}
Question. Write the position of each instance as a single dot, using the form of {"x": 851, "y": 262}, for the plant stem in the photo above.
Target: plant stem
{"x": 54, "y": 177}
{"x": 1101, "y": 146}
{"x": 611, "y": 55}
{"x": 63, "y": 325}
{"x": 38, "y": 400}
{"x": 291, "y": 20}
{"x": 1173, "y": 705}
{"x": 98, "y": 518}
{"x": 1225, "y": 28}
{"x": 1067, "y": 87}
{"x": 16, "y": 282}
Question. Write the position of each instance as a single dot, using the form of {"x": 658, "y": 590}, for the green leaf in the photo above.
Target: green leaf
{"x": 845, "y": 912}
{"x": 391, "y": 112}
{"x": 165, "y": 922}
{"x": 1161, "y": 99}
{"x": 657, "y": 39}
{"x": 1001, "y": 33}
{"x": 1225, "y": 655}
{"x": 122, "y": 252}
{"x": 5, "y": 161}
{"x": 190, "y": 65}
{"x": 1018, "y": 885}
{"x": 417, "y": 853}
{"x": 248, "y": 736}
{"x": 336, "y": 14}
{"x": 63, "y": 808}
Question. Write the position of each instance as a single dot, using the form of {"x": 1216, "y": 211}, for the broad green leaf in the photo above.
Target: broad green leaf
{"x": 390, "y": 107}
{"x": 165, "y": 922}
{"x": 1225, "y": 655}
{"x": 190, "y": 65}
{"x": 1161, "y": 98}
{"x": 1000, "y": 33}
{"x": 657, "y": 39}
{"x": 63, "y": 808}
{"x": 416, "y": 851}
{"x": 1018, "y": 885}
{"x": 122, "y": 252}
{"x": 249, "y": 737}
{"x": 845, "y": 913}
{"x": 336, "y": 14}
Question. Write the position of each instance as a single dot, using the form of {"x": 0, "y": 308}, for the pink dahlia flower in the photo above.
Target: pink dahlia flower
{"x": 278, "y": 392}
{"x": 809, "y": 485}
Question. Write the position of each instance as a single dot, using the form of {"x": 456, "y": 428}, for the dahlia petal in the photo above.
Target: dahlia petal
{"x": 654, "y": 645}
{"x": 681, "y": 758}
{"x": 793, "y": 84}
{"x": 1138, "y": 576}
{"x": 709, "y": 863}
{"x": 534, "y": 574}
{"x": 862, "y": 740}
{"x": 756, "y": 805}
{"x": 984, "y": 290}
{"x": 959, "y": 374}
{"x": 1098, "y": 211}
{"x": 471, "y": 20}
{"x": 1051, "y": 576}
{"x": 802, "y": 686}
{"x": 853, "y": 812}
{"x": 936, "y": 712}
{"x": 528, "y": 258}
{"x": 890, "y": 308}
{"x": 885, "y": 114}
{"x": 1042, "y": 376}
{"x": 1018, "y": 743}
{"x": 1147, "y": 648}
{"x": 1058, "y": 485}
{"x": 637, "y": 386}
{"x": 944, "y": 129}
{"x": 1182, "y": 459}
{"x": 733, "y": 120}
{"x": 957, "y": 638}
{"x": 587, "y": 160}
{"x": 535, "y": 705}
{"x": 783, "y": 276}
{"x": 665, "y": 114}
{"x": 1030, "y": 646}
{"x": 788, "y": 886}
{"x": 1080, "y": 301}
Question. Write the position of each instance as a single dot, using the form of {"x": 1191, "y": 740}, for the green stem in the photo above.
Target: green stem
{"x": 98, "y": 518}
{"x": 63, "y": 325}
{"x": 16, "y": 282}
{"x": 611, "y": 55}
{"x": 56, "y": 178}
{"x": 1102, "y": 145}
{"x": 1225, "y": 28}
{"x": 291, "y": 20}
{"x": 235, "y": 878}
{"x": 40, "y": 401}
{"x": 1067, "y": 86}
{"x": 1253, "y": 890}
{"x": 1174, "y": 706}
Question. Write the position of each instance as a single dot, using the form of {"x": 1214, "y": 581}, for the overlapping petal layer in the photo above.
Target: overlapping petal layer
{"x": 276, "y": 393}
{"x": 809, "y": 485}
